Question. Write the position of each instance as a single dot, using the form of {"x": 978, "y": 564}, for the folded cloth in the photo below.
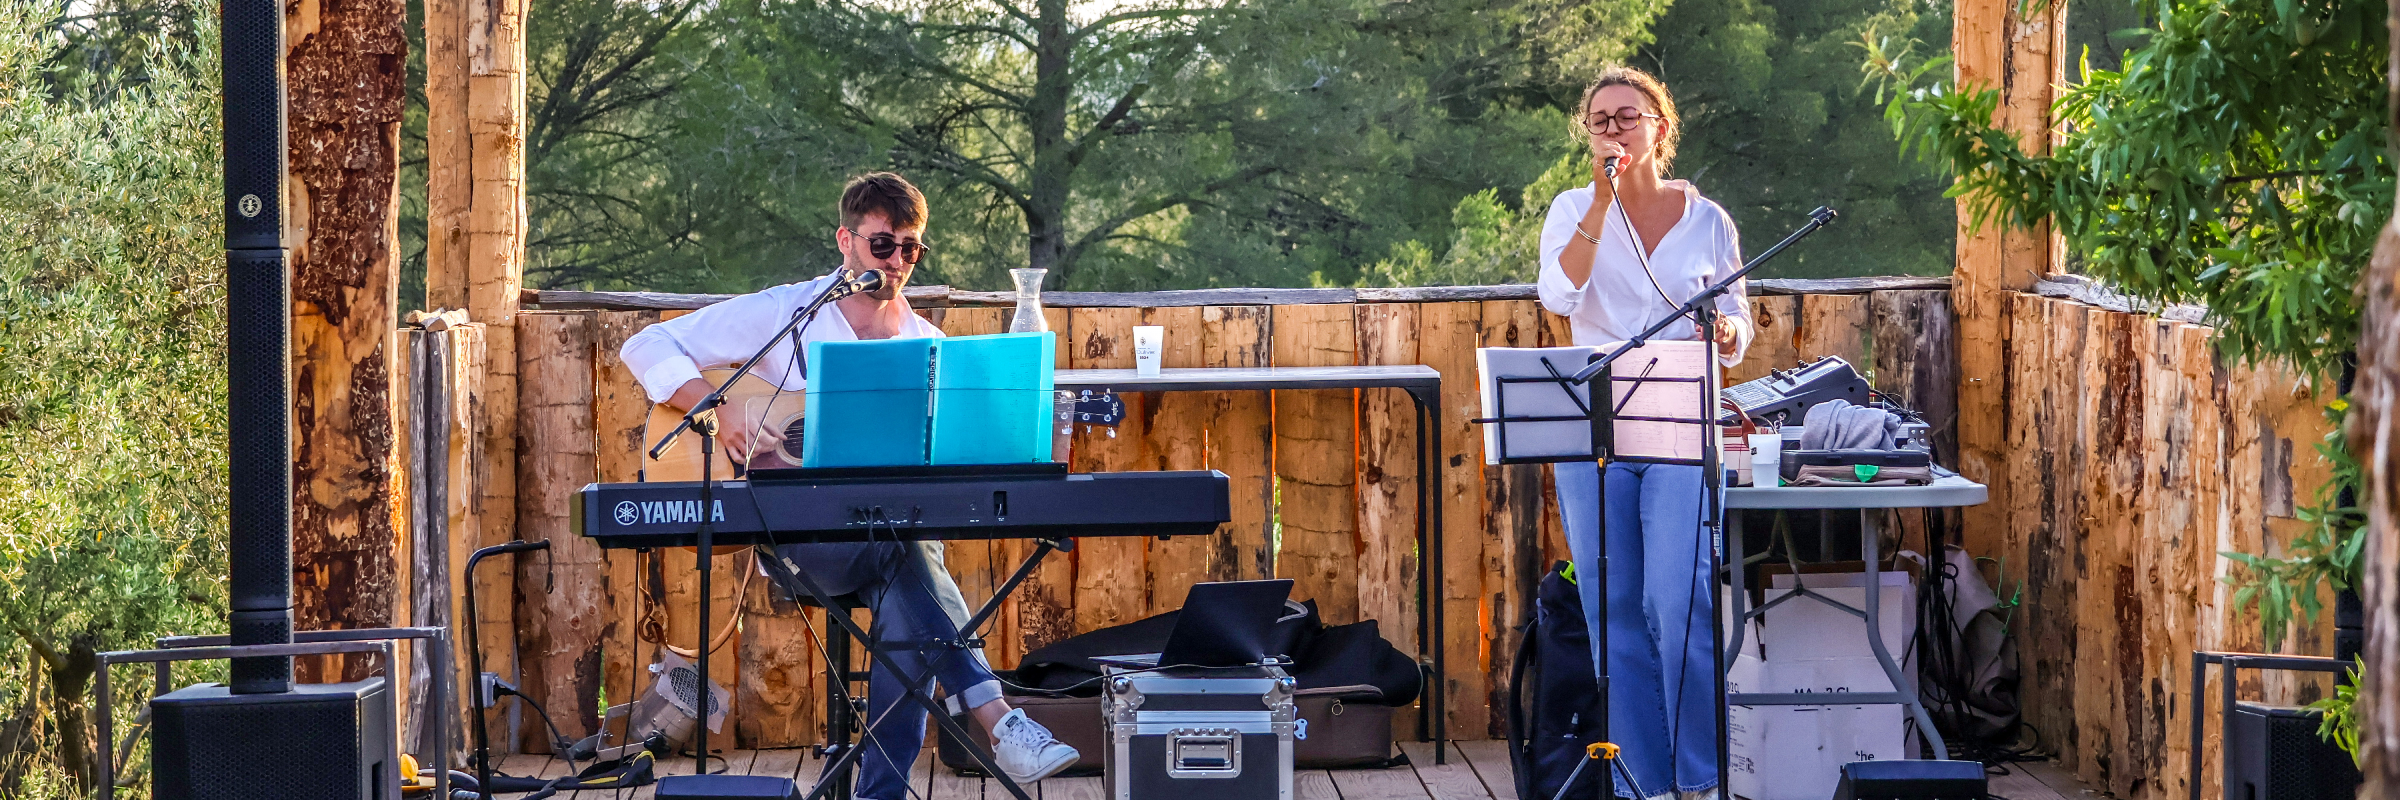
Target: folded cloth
{"x": 1838, "y": 425}
{"x": 1862, "y": 475}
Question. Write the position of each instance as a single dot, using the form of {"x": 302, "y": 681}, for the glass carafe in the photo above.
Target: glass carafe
{"x": 1029, "y": 317}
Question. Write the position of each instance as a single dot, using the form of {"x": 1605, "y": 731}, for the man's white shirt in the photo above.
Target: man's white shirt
{"x": 665, "y": 356}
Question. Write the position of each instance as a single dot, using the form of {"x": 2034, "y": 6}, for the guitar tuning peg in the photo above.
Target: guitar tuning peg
{"x": 1112, "y": 433}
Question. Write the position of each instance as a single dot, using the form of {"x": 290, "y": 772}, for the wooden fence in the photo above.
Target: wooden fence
{"x": 2136, "y": 456}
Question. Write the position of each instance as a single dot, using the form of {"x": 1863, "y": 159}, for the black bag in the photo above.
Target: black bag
{"x": 1553, "y": 713}
{"x": 1066, "y": 665}
{"x": 1357, "y": 654}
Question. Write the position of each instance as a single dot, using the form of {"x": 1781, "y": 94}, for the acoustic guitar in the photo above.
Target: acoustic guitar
{"x": 776, "y": 415}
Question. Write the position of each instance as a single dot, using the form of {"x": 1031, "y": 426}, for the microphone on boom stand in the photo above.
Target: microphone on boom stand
{"x": 702, "y": 416}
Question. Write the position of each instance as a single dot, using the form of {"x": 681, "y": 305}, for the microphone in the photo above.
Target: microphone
{"x": 1610, "y": 166}
{"x": 861, "y": 283}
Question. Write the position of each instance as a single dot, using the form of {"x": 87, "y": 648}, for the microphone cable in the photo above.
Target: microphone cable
{"x": 1634, "y": 237}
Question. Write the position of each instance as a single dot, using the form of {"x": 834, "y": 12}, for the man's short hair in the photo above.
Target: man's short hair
{"x": 883, "y": 193}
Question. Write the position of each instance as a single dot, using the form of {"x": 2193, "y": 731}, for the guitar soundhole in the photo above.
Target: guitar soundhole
{"x": 791, "y": 439}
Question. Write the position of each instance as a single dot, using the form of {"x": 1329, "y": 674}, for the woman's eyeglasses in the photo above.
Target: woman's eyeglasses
{"x": 1623, "y": 120}
{"x": 882, "y": 245}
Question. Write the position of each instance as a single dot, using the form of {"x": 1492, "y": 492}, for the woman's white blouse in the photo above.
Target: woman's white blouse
{"x": 1618, "y": 301}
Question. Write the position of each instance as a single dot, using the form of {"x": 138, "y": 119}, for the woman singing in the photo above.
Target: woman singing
{"x": 1663, "y": 688}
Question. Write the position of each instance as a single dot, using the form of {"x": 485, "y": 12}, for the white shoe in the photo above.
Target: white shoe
{"x": 1026, "y": 751}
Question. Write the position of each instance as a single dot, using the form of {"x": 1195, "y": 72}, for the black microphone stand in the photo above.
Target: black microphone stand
{"x": 1701, "y": 309}
{"x": 703, "y": 418}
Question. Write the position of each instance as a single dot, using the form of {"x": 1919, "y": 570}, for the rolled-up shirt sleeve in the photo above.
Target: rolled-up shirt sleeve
{"x": 666, "y": 355}
{"x": 1735, "y": 304}
{"x": 1558, "y": 293}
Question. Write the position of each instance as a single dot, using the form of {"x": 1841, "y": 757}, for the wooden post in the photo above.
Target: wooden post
{"x": 1316, "y": 447}
{"x": 1512, "y": 526}
{"x": 1110, "y": 582}
{"x": 561, "y": 592}
{"x": 346, "y": 76}
{"x": 1241, "y": 441}
{"x": 2022, "y": 57}
{"x": 619, "y": 408}
{"x": 1775, "y": 345}
{"x": 1046, "y": 600}
{"x": 475, "y": 212}
{"x": 1175, "y": 436}
{"x": 1447, "y": 334}
{"x": 461, "y": 513}
{"x": 1387, "y": 478}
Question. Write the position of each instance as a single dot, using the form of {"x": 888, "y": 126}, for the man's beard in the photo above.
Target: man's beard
{"x": 890, "y": 290}
{"x": 892, "y": 283}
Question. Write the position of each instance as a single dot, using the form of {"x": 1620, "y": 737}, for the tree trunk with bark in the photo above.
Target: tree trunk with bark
{"x": 2375, "y": 437}
{"x": 347, "y": 70}
{"x": 1046, "y": 207}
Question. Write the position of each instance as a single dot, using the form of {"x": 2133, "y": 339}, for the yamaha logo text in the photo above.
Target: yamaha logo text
{"x": 655, "y": 512}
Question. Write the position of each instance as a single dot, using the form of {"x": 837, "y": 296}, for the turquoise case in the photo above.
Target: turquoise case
{"x": 879, "y": 414}
{"x": 1021, "y": 361}
{"x": 991, "y": 398}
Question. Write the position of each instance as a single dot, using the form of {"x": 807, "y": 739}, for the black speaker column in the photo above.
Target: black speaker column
{"x": 258, "y": 355}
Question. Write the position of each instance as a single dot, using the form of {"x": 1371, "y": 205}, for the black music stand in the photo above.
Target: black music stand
{"x": 1602, "y": 418}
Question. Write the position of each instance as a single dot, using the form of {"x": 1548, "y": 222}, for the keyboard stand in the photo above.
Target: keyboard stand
{"x": 831, "y": 775}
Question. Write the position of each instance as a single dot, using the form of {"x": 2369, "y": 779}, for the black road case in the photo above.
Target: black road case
{"x": 1199, "y": 734}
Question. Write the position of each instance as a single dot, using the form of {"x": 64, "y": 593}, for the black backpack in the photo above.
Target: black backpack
{"x": 1552, "y": 708}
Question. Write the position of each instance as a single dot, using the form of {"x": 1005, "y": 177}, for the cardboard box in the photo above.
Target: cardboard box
{"x": 1806, "y": 629}
{"x": 1797, "y": 752}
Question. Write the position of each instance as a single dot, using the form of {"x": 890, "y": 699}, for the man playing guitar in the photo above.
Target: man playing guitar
{"x": 906, "y": 583}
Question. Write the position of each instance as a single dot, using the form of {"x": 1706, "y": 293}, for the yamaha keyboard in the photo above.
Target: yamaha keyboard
{"x": 790, "y": 506}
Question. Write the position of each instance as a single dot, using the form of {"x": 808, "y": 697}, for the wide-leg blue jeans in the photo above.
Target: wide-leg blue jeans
{"x": 1659, "y": 634}
{"x": 914, "y": 600}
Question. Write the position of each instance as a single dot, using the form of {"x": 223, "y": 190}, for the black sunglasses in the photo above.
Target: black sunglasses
{"x": 882, "y": 245}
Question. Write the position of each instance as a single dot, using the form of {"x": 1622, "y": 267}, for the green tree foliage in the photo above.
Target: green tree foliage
{"x": 1243, "y": 143}
{"x": 2237, "y": 160}
{"x": 1774, "y": 126}
{"x": 112, "y": 410}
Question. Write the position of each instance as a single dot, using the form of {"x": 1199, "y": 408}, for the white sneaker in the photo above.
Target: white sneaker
{"x": 1026, "y": 750}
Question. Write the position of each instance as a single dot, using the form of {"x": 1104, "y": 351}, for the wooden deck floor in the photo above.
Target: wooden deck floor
{"x": 1478, "y": 770}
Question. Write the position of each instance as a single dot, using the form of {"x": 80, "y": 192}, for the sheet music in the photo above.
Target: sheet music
{"x": 1533, "y": 439}
{"x": 1659, "y": 359}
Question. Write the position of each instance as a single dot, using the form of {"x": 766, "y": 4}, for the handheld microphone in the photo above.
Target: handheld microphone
{"x": 1610, "y": 166}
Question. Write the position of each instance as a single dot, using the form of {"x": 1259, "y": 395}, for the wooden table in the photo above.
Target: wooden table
{"x": 1424, "y": 387}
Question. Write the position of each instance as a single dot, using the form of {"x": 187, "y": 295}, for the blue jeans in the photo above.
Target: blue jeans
{"x": 914, "y": 600}
{"x": 1659, "y": 636}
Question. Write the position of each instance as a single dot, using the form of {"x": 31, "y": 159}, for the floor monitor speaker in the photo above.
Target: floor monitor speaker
{"x": 1913, "y": 780}
{"x": 726, "y": 787}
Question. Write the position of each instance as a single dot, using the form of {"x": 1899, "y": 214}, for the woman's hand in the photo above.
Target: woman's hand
{"x": 1727, "y": 338}
{"x": 1602, "y": 151}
